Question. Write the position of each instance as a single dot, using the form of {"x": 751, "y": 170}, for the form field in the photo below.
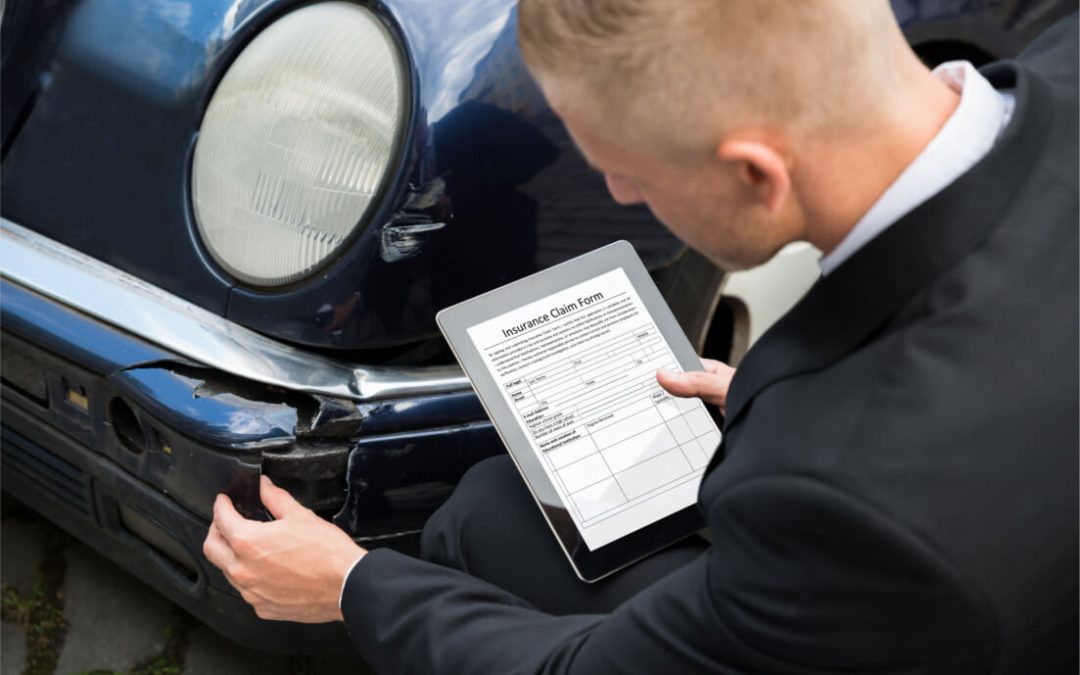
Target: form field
{"x": 599, "y": 498}
{"x": 651, "y": 474}
{"x": 637, "y": 449}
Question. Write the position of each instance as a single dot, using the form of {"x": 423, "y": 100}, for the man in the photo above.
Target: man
{"x": 898, "y": 485}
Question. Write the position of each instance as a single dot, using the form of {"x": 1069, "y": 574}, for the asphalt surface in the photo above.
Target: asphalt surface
{"x": 66, "y": 610}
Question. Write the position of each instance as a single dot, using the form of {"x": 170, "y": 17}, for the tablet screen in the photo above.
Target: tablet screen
{"x": 577, "y": 369}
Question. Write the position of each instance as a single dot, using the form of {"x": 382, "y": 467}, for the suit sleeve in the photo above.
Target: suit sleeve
{"x": 800, "y": 578}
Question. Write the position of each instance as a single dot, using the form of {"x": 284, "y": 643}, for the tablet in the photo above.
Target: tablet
{"x": 564, "y": 362}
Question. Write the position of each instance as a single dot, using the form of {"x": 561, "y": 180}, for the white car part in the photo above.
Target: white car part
{"x": 760, "y": 296}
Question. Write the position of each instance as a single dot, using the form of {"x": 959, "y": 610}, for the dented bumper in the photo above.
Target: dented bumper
{"x": 124, "y": 437}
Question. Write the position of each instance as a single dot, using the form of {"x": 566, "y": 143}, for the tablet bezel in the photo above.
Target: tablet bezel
{"x": 454, "y": 322}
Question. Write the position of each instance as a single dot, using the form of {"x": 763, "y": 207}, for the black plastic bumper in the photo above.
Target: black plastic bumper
{"x": 125, "y": 445}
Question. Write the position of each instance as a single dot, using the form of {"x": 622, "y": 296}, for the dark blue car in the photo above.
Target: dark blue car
{"x": 227, "y": 228}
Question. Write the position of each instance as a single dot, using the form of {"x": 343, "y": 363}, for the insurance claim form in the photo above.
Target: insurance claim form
{"x": 578, "y": 369}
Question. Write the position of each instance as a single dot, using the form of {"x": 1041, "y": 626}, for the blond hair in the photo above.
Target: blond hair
{"x": 688, "y": 69}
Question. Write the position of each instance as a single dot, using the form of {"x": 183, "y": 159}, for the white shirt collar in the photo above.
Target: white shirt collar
{"x": 966, "y": 137}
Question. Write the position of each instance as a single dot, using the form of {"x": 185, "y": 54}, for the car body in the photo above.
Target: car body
{"x": 142, "y": 374}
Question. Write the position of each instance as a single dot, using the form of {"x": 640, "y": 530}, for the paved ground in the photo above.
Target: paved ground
{"x": 68, "y": 610}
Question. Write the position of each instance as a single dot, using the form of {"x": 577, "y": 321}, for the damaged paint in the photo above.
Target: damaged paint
{"x": 395, "y": 481}
{"x": 399, "y": 242}
{"x": 332, "y": 418}
{"x": 188, "y": 399}
{"x": 425, "y": 210}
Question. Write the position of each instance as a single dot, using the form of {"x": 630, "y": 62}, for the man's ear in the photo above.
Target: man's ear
{"x": 760, "y": 168}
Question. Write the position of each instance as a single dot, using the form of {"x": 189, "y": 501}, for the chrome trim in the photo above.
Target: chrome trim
{"x": 127, "y": 302}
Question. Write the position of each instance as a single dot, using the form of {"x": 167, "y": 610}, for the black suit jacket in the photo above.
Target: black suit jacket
{"x": 899, "y": 485}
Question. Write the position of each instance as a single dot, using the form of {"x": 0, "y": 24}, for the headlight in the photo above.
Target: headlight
{"x": 296, "y": 142}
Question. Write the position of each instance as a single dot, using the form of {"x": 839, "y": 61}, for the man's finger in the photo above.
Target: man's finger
{"x": 228, "y": 521}
{"x": 693, "y": 383}
{"x": 217, "y": 550}
{"x": 277, "y": 501}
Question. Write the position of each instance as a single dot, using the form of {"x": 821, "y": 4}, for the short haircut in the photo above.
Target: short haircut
{"x": 662, "y": 64}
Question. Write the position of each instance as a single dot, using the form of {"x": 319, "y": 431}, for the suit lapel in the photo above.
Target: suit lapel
{"x": 843, "y": 311}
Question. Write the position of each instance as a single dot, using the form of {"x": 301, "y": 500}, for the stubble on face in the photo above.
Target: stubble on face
{"x": 731, "y": 237}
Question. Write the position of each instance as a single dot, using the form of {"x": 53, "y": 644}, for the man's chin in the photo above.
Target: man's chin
{"x": 737, "y": 262}
{"x": 731, "y": 265}
{"x": 744, "y": 256}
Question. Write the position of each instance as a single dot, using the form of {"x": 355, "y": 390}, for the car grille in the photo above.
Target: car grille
{"x": 37, "y": 466}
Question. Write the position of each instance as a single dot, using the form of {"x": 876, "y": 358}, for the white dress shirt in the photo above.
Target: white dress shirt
{"x": 966, "y": 137}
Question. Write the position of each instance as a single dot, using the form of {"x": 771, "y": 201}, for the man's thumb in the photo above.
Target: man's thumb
{"x": 707, "y": 386}
{"x": 678, "y": 384}
{"x": 276, "y": 500}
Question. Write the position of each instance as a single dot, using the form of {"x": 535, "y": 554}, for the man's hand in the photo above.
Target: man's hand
{"x": 290, "y": 569}
{"x": 711, "y": 385}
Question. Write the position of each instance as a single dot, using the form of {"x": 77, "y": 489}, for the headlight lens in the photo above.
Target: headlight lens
{"x": 296, "y": 142}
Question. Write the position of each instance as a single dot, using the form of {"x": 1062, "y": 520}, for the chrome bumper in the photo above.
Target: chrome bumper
{"x": 127, "y": 302}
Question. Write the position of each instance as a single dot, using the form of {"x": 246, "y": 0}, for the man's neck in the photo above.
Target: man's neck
{"x": 852, "y": 172}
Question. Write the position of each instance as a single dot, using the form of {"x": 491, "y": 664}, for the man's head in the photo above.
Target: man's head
{"x": 715, "y": 112}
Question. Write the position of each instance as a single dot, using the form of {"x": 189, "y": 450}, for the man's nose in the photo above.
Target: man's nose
{"x": 623, "y": 191}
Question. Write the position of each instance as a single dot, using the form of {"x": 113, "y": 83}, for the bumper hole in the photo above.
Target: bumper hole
{"x": 126, "y": 426}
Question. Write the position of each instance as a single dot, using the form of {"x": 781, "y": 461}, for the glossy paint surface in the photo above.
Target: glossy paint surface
{"x": 488, "y": 187}
{"x": 101, "y": 161}
{"x": 52, "y": 326}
